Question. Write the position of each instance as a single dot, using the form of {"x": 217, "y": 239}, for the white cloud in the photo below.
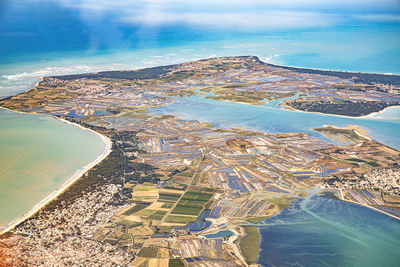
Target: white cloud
{"x": 253, "y": 20}
{"x": 237, "y": 14}
{"x": 379, "y": 17}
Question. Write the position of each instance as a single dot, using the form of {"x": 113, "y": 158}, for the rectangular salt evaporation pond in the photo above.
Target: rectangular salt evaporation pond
{"x": 224, "y": 233}
{"x": 38, "y": 154}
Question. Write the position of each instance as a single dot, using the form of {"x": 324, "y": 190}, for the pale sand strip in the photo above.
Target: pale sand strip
{"x": 372, "y": 115}
{"x": 67, "y": 184}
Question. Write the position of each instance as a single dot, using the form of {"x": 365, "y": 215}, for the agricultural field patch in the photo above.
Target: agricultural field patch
{"x": 180, "y": 219}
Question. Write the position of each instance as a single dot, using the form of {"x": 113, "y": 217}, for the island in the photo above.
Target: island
{"x": 176, "y": 192}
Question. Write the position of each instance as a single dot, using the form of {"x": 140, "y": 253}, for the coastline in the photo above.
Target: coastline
{"x": 371, "y": 115}
{"x": 368, "y": 116}
{"x": 362, "y": 133}
{"x": 365, "y": 205}
{"x": 359, "y": 131}
{"x": 58, "y": 191}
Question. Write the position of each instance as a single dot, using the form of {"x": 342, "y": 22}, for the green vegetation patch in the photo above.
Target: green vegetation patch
{"x": 355, "y": 159}
{"x": 149, "y": 252}
{"x": 176, "y": 263}
{"x": 160, "y": 212}
{"x": 187, "y": 210}
{"x": 192, "y": 203}
{"x": 282, "y": 202}
{"x": 242, "y": 99}
{"x": 136, "y": 208}
{"x": 168, "y": 197}
{"x": 155, "y": 217}
{"x": 209, "y": 204}
{"x": 129, "y": 224}
{"x": 250, "y": 244}
{"x": 373, "y": 164}
{"x": 180, "y": 219}
{"x": 194, "y": 195}
{"x": 146, "y": 212}
{"x": 145, "y": 188}
{"x": 167, "y": 205}
{"x": 186, "y": 174}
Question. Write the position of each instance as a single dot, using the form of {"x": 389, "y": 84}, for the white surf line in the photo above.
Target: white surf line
{"x": 78, "y": 174}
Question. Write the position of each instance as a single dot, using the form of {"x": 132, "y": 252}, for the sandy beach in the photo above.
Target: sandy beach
{"x": 66, "y": 184}
{"x": 371, "y": 115}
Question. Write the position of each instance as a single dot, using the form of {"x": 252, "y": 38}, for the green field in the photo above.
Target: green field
{"x": 149, "y": 252}
{"x": 176, "y": 263}
{"x": 186, "y": 174}
{"x": 155, "y": 217}
{"x": 194, "y": 195}
{"x": 168, "y": 197}
{"x": 160, "y": 212}
{"x": 250, "y": 244}
{"x": 180, "y": 219}
{"x": 134, "y": 209}
{"x": 167, "y": 205}
{"x": 192, "y": 203}
{"x": 129, "y": 224}
{"x": 187, "y": 210}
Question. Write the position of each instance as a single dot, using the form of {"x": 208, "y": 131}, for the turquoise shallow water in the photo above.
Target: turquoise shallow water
{"x": 38, "y": 154}
{"x": 384, "y": 127}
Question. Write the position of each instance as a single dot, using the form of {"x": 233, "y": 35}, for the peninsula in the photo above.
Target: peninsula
{"x": 176, "y": 192}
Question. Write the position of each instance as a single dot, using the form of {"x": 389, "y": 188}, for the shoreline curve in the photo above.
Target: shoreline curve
{"x": 71, "y": 180}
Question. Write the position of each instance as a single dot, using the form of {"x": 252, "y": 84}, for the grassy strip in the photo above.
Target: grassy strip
{"x": 134, "y": 209}
{"x": 176, "y": 263}
{"x": 187, "y": 210}
{"x": 167, "y": 196}
{"x": 179, "y": 219}
{"x": 149, "y": 252}
{"x": 250, "y": 244}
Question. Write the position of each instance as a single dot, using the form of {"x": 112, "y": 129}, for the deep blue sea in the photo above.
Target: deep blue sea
{"x": 45, "y": 37}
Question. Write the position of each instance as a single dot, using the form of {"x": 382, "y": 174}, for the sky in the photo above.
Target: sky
{"x": 249, "y": 14}
{"x": 30, "y": 27}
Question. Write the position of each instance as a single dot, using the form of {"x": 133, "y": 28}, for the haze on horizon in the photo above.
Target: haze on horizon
{"x": 127, "y": 22}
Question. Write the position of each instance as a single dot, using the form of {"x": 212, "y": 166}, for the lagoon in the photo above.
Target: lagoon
{"x": 270, "y": 118}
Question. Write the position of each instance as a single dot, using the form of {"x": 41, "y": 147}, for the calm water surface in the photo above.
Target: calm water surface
{"x": 384, "y": 127}
{"x": 318, "y": 231}
{"x": 38, "y": 154}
